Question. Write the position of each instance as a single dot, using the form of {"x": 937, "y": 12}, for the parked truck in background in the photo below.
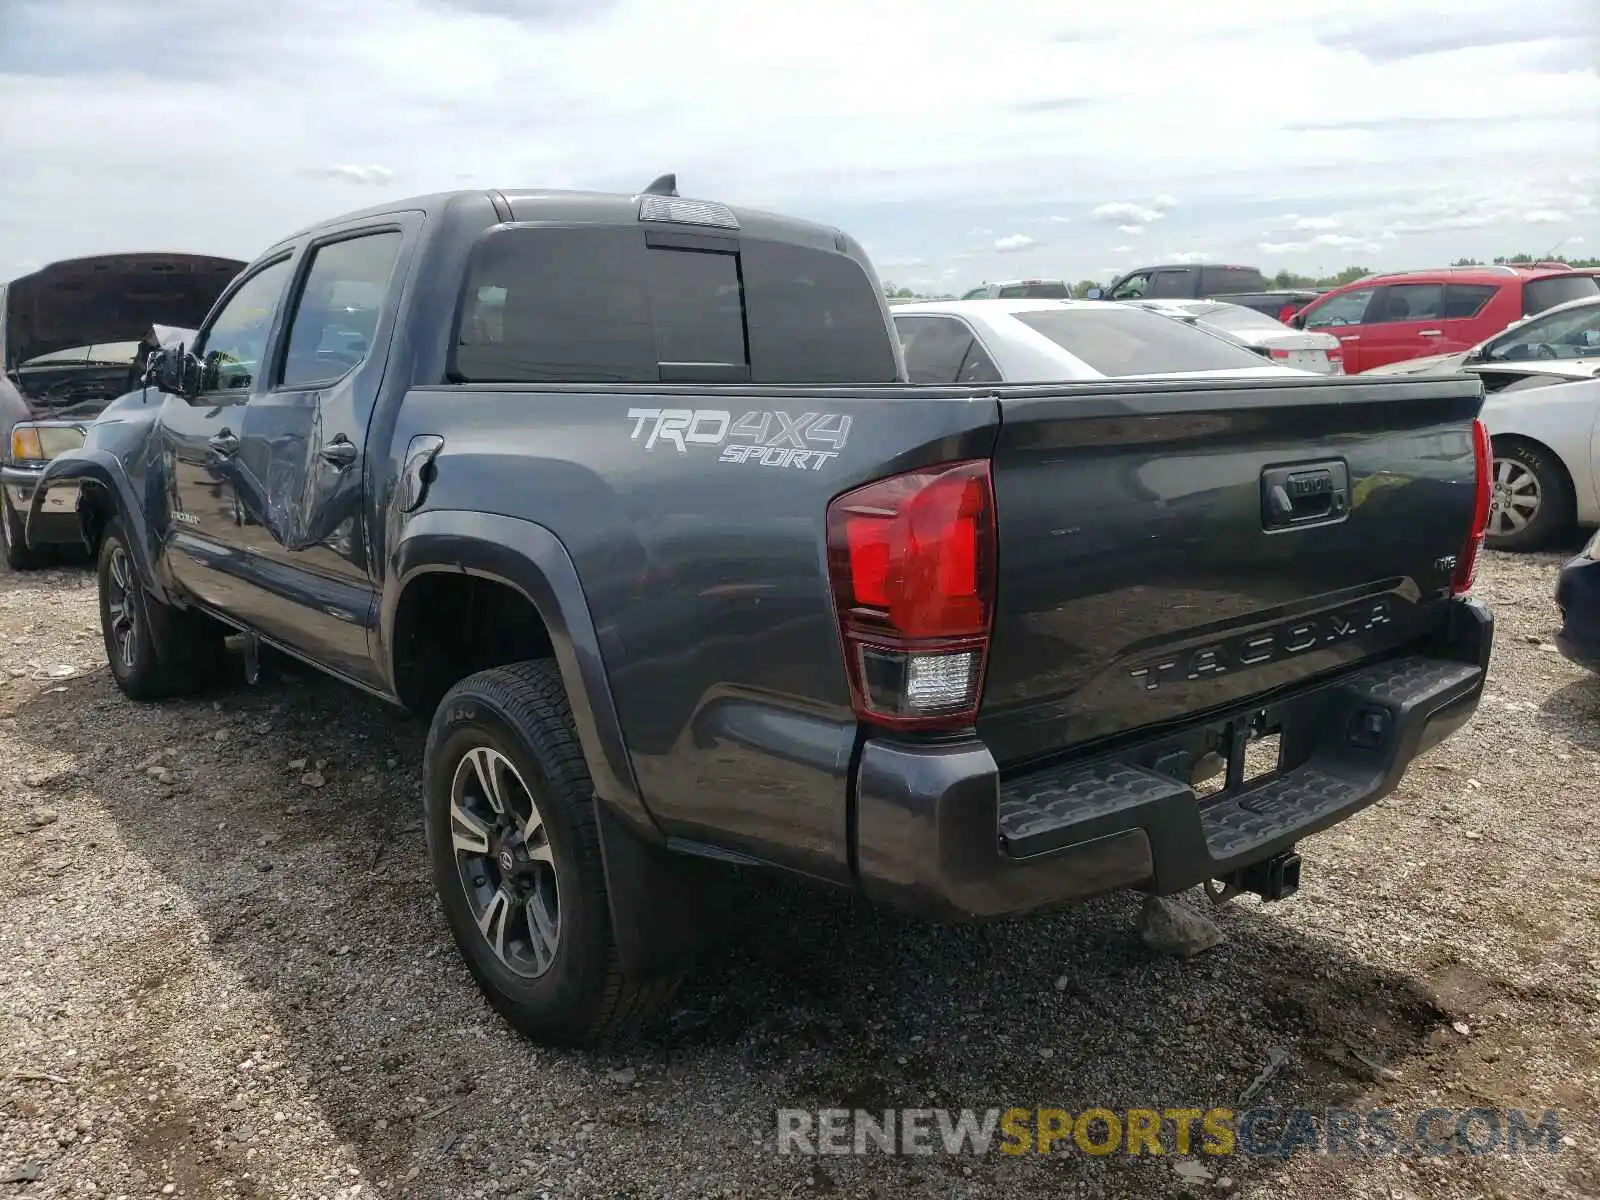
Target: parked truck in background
{"x": 628, "y": 498}
{"x": 1208, "y": 281}
{"x": 74, "y": 335}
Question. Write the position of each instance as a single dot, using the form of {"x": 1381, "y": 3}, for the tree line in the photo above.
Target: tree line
{"x": 1289, "y": 279}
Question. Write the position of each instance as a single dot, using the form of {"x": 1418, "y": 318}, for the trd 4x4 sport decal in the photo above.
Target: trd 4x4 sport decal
{"x": 767, "y": 439}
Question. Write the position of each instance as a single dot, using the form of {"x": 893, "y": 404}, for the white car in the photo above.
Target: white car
{"x": 1055, "y": 341}
{"x": 1566, "y": 333}
{"x": 1543, "y": 421}
{"x": 1307, "y": 350}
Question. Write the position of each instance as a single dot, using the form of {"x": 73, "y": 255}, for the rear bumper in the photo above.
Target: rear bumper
{"x": 57, "y": 520}
{"x": 1578, "y": 597}
{"x": 940, "y": 833}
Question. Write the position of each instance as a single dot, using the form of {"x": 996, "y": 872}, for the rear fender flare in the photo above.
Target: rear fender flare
{"x": 531, "y": 560}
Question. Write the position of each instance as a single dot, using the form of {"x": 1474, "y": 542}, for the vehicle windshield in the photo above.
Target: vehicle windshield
{"x": 1573, "y": 333}
{"x": 116, "y": 354}
{"x": 1540, "y": 294}
{"x": 1035, "y": 291}
{"x": 1117, "y": 341}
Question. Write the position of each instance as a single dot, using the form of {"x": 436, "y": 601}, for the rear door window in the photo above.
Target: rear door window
{"x": 936, "y": 348}
{"x": 337, "y": 312}
{"x": 1407, "y": 302}
{"x": 1116, "y": 340}
{"x": 1178, "y": 284}
{"x": 1540, "y": 294}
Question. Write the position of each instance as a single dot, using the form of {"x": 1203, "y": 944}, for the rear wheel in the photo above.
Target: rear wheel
{"x": 19, "y": 556}
{"x": 516, "y": 857}
{"x": 1531, "y": 498}
{"x": 155, "y": 650}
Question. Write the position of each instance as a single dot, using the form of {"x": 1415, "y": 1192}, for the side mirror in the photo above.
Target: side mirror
{"x": 1094, "y": 293}
{"x": 1298, "y": 321}
{"x": 156, "y": 368}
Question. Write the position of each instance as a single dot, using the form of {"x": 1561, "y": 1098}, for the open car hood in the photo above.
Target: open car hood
{"x": 107, "y": 298}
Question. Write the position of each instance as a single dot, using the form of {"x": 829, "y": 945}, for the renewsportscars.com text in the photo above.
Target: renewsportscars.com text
{"x": 1177, "y": 1131}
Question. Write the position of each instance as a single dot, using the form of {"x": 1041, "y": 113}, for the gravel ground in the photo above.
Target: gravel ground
{"x": 222, "y": 973}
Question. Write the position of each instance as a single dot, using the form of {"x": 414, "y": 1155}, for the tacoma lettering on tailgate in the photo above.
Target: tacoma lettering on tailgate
{"x": 1270, "y": 645}
{"x": 767, "y": 439}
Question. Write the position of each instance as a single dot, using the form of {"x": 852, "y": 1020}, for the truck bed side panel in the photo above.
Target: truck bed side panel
{"x": 695, "y": 520}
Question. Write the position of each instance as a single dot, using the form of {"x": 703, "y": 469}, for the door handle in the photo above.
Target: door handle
{"x": 1430, "y": 333}
{"x": 340, "y": 452}
{"x": 1350, "y": 337}
{"x": 224, "y": 444}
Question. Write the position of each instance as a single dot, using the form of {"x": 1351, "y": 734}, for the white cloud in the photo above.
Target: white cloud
{"x": 373, "y": 176}
{"x": 626, "y": 89}
{"x": 1545, "y": 216}
{"x": 1121, "y": 249}
{"x": 1130, "y": 230}
{"x": 1303, "y": 223}
{"x": 1014, "y": 243}
{"x": 1575, "y": 241}
{"x": 1188, "y": 256}
{"x": 1122, "y": 211}
{"x": 1335, "y": 239}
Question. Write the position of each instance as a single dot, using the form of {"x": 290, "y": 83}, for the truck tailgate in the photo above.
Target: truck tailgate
{"x": 1168, "y": 550}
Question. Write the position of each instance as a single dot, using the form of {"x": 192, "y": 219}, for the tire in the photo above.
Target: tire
{"x": 133, "y": 622}
{"x": 1533, "y": 502}
{"x": 513, "y": 726}
{"x": 19, "y": 556}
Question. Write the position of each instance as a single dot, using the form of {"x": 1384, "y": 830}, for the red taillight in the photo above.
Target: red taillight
{"x": 1279, "y": 354}
{"x": 1483, "y": 464}
{"x": 1336, "y": 360}
{"x": 912, "y": 562}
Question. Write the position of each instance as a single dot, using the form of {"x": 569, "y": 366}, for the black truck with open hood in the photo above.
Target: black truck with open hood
{"x": 74, "y": 336}
{"x": 627, "y": 496}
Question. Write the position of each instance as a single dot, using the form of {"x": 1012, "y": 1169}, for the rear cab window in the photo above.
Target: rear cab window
{"x": 1540, "y": 294}
{"x": 1040, "y": 290}
{"x": 1118, "y": 341}
{"x": 619, "y": 304}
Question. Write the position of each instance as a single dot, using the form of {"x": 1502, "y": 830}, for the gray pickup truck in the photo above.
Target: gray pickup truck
{"x": 626, "y": 495}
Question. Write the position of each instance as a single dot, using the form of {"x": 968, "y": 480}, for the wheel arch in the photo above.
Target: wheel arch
{"x": 106, "y": 493}
{"x": 529, "y": 560}
{"x": 1575, "y": 500}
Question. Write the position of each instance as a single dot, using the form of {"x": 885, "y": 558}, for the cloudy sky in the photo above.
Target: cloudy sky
{"x": 959, "y": 140}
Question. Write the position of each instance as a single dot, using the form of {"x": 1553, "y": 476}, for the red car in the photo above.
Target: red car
{"x": 1388, "y": 318}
